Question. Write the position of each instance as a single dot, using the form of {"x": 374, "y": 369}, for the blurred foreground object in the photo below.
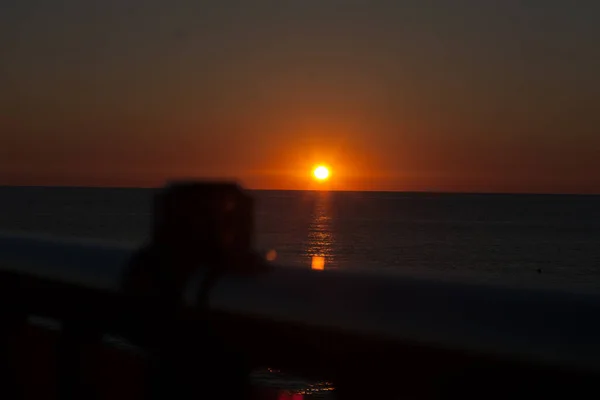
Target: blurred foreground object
{"x": 198, "y": 228}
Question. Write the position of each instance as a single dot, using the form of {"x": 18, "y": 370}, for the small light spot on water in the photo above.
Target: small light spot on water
{"x": 271, "y": 255}
{"x": 318, "y": 263}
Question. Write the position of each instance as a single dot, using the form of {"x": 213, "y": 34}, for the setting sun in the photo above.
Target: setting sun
{"x": 321, "y": 173}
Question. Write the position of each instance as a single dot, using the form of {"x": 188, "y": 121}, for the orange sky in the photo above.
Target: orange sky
{"x": 411, "y": 96}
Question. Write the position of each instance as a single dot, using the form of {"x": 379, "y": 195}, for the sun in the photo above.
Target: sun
{"x": 321, "y": 173}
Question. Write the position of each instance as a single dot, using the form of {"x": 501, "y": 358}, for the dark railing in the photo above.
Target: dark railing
{"x": 372, "y": 335}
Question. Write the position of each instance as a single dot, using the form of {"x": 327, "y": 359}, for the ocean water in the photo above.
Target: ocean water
{"x": 523, "y": 238}
{"x": 527, "y": 239}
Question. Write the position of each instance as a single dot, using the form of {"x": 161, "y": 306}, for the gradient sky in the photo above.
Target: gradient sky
{"x": 440, "y": 95}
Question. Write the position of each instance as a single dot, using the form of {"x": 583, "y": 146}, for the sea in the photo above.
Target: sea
{"x": 517, "y": 238}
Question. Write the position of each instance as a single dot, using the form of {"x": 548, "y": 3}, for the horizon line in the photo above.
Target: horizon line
{"x": 541, "y": 193}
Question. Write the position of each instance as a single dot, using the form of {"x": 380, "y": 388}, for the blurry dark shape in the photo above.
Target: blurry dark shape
{"x": 207, "y": 226}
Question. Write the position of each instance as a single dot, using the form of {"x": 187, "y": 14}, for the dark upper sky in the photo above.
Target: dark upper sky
{"x": 404, "y": 95}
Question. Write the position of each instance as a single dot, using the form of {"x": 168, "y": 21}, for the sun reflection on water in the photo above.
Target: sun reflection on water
{"x": 317, "y": 263}
{"x": 277, "y": 385}
{"x": 319, "y": 246}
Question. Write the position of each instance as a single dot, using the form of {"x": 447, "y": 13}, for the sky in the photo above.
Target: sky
{"x": 425, "y": 95}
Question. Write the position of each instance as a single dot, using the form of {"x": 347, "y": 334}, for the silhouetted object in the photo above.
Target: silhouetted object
{"x": 196, "y": 226}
